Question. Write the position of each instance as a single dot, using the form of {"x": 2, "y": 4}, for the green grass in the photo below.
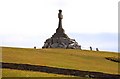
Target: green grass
{"x": 21, "y": 73}
{"x": 62, "y": 58}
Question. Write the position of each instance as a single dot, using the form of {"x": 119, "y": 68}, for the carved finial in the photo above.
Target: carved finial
{"x": 60, "y": 16}
{"x": 60, "y": 10}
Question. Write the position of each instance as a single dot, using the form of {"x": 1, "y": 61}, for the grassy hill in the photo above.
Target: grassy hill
{"x": 61, "y": 58}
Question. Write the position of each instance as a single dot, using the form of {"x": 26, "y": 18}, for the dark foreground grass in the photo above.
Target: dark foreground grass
{"x": 44, "y": 78}
{"x": 61, "y": 71}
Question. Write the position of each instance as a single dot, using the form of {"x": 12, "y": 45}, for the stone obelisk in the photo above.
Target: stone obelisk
{"x": 60, "y": 39}
{"x": 60, "y": 16}
{"x": 60, "y": 31}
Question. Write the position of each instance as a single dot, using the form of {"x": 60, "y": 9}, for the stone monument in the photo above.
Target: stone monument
{"x": 60, "y": 39}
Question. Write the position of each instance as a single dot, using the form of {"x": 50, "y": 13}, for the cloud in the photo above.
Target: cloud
{"x": 30, "y": 22}
{"x": 104, "y": 41}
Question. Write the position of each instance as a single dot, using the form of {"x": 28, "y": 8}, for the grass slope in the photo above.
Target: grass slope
{"x": 62, "y": 58}
{"x": 21, "y": 73}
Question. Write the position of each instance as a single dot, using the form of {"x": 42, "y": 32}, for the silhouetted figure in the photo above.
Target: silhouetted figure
{"x": 90, "y": 48}
{"x": 97, "y": 49}
{"x": 80, "y": 47}
{"x": 34, "y": 47}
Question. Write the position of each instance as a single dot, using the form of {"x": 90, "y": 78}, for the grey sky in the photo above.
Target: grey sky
{"x": 36, "y": 20}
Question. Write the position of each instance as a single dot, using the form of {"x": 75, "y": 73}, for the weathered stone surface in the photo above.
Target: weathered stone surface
{"x": 61, "y": 43}
{"x": 60, "y": 39}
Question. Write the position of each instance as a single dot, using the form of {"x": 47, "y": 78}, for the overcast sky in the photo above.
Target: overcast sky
{"x": 20, "y": 19}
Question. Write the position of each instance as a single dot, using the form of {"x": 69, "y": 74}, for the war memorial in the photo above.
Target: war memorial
{"x": 60, "y": 39}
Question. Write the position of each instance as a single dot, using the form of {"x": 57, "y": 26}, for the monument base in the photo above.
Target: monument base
{"x": 61, "y": 43}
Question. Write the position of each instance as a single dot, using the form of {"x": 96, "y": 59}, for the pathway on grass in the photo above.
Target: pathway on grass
{"x": 63, "y": 71}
